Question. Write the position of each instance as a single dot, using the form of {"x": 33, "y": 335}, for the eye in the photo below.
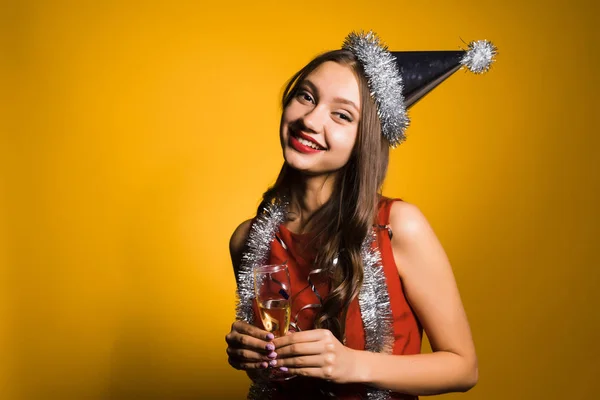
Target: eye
{"x": 304, "y": 96}
{"x": 344, "y": 116}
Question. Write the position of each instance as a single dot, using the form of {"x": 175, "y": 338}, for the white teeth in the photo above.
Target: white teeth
{"x": 308, "y": 143}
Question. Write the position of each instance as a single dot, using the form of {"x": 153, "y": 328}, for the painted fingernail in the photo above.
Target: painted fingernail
{"x": 272, "y": 355}
{"x": 264, "y": 364}
{"x": 270, "y": 336}
{"x": 283, "y": 369}
{"x": 273, "y": 363}
{"x": 270, "y": 346}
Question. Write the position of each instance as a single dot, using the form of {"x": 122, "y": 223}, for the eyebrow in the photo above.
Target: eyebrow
{"x": 336, "y": 99}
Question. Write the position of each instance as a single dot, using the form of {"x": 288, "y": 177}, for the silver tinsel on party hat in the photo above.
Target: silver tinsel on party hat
{"x": 385, "y": 83}
{"x": 479, "y": 57}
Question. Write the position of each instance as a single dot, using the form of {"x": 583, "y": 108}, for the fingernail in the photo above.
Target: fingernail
{"x": 283, "y": 369}
{"x": 273, "y": 363}
{"x": 270, "y": 346}
{"x": 270, "y": 336}
{"x": 264, "y": 364}
{"x": 272, "y": 355}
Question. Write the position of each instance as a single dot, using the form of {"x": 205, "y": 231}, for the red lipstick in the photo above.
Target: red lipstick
{"x": 299, "y": 147}
{"x": 309, "y": 138}
{"x": 295, "y": 142}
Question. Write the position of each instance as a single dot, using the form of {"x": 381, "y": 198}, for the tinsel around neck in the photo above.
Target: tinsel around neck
{"x": 373, "y": 298}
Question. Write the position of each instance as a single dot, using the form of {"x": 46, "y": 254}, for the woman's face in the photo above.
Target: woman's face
{"x": 320, "y": 124}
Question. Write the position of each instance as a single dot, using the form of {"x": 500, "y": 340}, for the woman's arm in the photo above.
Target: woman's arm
{"x": 431, "y": 290}
{"x": 237, "y": 243}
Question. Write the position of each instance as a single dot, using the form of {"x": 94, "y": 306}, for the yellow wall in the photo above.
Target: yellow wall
{"x": 140, "y": 135}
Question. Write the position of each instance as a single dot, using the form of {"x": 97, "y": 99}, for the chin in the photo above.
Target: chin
{"x": 304, "y": 169}
{"x": 308, "y": 164}
{"x": 294, "y": 159}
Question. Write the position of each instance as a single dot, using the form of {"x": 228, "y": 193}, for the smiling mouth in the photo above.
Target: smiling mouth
{"x": 307, "y": 142}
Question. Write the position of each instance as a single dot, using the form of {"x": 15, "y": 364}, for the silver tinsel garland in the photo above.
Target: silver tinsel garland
{"x": 258, "y": 245}
{"x": 375, "y": 308}
{"x": 385, "y": 83}
{"x": 373, "y": 297}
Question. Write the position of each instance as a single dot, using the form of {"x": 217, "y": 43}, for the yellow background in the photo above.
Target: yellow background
{"x": 135, "y": 137}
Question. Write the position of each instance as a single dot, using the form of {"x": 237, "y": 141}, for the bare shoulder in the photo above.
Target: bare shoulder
{"x": 414, "y": 240}
{"x": 407, "y": 221}
{"x": 238, "y": 241}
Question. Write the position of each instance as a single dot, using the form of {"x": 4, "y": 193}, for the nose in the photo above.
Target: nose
{"x": 314, "y": 119}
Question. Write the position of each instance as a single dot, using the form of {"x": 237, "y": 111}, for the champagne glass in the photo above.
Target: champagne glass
{"x": 273, "y": 297}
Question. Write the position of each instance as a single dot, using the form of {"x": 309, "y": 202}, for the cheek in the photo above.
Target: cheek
{"x": 285, "y": 120}
{"x": 292, "y": 111}
{"x": 344, "y": 139}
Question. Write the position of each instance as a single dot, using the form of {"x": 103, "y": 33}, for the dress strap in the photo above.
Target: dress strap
{"x": 383, "y": 216}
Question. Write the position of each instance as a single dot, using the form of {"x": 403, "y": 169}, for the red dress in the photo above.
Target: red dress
{"x": 407, "y": 329}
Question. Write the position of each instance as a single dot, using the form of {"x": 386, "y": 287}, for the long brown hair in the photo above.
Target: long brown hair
{"x": 343, "y": 222}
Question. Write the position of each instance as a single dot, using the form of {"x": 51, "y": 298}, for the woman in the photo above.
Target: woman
{"x": 368, "y": 273}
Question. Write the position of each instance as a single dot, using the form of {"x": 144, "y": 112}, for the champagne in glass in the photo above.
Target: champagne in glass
{"x": 272, "y": 289}
{"x": 273, "y": 297}
{"x": 275, "y": 315}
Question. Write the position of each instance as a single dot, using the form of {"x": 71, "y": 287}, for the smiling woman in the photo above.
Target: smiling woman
{"x": 367, "y": 273}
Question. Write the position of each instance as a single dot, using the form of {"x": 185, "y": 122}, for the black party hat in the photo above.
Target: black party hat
{"x": 422, "y": 71}
{"x": 398, "y": 80}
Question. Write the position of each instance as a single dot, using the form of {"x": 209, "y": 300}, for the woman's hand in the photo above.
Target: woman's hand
{"x": 316, "y": 353}
{"x": 249, "y": 347}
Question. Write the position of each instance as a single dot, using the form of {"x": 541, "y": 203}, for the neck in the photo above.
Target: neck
{"x": 312, "y": 193}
